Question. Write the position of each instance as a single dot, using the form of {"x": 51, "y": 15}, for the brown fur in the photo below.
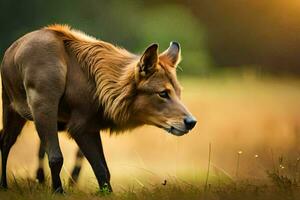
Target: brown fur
{"x": 108, "y": 65}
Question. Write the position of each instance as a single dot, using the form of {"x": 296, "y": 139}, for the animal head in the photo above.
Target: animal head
{"x": 158, "y": 100}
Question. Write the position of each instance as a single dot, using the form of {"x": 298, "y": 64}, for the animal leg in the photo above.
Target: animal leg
{"x": 91, "y": 146}
{"x": 12, "y": 126}
{"x": 40, "y": 174}
{"x": 77, "y": 167}
{"x": 44, "y": 110}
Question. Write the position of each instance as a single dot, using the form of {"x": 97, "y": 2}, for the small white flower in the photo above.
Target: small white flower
{"x": 281, "y": 166}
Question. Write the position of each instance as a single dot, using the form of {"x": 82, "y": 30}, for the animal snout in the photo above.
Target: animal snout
{"x": 190, "y": 122}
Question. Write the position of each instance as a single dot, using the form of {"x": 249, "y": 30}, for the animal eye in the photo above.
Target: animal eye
{"x": 164, "y": 94}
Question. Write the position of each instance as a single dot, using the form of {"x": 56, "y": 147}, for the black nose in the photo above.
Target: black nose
{"x": 190, "y": 122}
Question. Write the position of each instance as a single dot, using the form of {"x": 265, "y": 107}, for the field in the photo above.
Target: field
{"x": 252, "y": 125}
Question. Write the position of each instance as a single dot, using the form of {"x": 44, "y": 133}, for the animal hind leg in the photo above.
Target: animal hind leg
{"x": 77, "y": 167}
{"x": 44, "y": 110}
{"x": 12, "y": 126}
{"x": 40, "y": 174}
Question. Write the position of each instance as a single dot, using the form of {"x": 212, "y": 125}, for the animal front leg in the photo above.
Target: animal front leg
{"x": 91, "y": 146}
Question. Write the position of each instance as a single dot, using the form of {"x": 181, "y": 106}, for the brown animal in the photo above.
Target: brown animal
{"x": 59, "y": 75}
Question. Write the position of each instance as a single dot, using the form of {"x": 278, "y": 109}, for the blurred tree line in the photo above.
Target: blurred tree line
{"x": 263, "y": 35}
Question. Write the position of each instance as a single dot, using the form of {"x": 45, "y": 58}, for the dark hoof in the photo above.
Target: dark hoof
{"x": 59, "y": 190}
{"x": 3, "y": 187}
{"x": 40, "y": 176}
{"x": 106, "y": 189}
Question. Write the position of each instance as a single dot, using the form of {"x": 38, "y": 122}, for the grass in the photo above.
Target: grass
{"x": 283, "y": 183}
{"x": 242, "y": 190}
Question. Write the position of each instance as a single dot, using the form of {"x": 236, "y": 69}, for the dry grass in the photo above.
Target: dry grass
{"x": 232, "y": 191}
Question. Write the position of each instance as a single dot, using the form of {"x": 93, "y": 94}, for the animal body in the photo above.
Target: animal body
{"x": 60, "y": 76}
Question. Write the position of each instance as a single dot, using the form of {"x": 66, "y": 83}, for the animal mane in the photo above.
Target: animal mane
{"x": 111, "y": 67}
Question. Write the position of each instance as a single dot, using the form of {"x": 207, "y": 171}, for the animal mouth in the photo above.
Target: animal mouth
{"x": 176, "y": 131}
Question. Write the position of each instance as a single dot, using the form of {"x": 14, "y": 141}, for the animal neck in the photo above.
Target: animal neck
{"x": 115, "y": 83}
{"x": 113, "y": 70}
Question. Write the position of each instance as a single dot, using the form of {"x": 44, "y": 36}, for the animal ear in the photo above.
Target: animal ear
{"x": 173, "y": 53}
{"x": 148, "y": 60}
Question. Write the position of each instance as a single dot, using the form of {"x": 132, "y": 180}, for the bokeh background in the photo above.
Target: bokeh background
{"x": 240, "y": 73}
